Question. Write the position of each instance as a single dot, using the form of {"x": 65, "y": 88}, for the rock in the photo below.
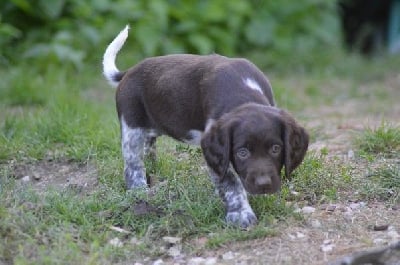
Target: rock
{"x": 315, "y": 223}
{"x": 210, "y": 261}
{"x": 116, "y": 242}
{"x": 393, "y": 233}
{"x": 174, "y": 251}
{"x": 134, "y": 241}
{"x": 202, "y": 261}
{"x": 26, "y": 179}
{"x": 228, "y": 255}
{"x": 196, "y": 261}
{"x": 307, "y": 210}
{"x": 327, "y": 245}
{"x": 348, "y": 216}
{"x": 158, "y": 262}
{"x": 350, "y": 154}
{"x": 119, "y": 230}
{"x": 331, "y": 208}
{"x": 172, "y": 240}
{"x": 383, "y": 227}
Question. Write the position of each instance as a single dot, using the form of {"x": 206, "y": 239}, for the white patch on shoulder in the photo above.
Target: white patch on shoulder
{"x": 193, "y": 137}
{"x": 251, "y": 83}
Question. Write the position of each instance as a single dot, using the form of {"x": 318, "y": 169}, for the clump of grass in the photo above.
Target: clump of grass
{"x": 319, "y": 178}
{"x": 384, "y": 139}
{"x": 383, "y": 184}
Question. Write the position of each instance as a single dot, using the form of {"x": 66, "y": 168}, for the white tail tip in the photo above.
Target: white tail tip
{"x": 110, "y": 70}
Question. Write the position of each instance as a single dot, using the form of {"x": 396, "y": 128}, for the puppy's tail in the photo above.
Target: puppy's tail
{"x": 110, "y": 70}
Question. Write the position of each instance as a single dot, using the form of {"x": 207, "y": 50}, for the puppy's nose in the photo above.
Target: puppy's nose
{"x": 263, "y": 181}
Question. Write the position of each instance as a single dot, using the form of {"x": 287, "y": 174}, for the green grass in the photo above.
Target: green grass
{"x": 57, "y": 114}
{"x": 384, "y": 139}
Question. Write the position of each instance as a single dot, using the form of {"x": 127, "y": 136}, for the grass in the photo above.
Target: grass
{"x": 384, "y": 139}
{"x": 56, "y": 114}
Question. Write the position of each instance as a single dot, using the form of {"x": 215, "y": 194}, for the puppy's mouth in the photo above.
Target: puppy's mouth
{"x": 262, "y": 184}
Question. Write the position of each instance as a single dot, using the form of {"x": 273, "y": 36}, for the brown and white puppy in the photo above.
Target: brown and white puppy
{"x": 225, "y": 105}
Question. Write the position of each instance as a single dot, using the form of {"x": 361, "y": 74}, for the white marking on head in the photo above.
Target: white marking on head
{"x": 251, "y": 83}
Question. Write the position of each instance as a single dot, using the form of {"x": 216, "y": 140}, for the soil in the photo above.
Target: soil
{"x": 328, "y": 231}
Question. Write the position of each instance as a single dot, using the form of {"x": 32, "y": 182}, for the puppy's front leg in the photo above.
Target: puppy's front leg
{"x": 232, "y": 192}
{"x": 132, "y": 141}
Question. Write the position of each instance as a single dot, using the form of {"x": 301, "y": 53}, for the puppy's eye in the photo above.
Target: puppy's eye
{"x": 243, "y": 153}
{"x": 276, "y": 149}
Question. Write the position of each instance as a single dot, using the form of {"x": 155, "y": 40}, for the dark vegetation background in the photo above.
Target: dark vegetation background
{"x": 75, "y": 33}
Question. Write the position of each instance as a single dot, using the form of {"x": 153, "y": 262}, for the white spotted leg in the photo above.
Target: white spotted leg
{"x": 234, "y": 196}
{"x": 133, "y": 142}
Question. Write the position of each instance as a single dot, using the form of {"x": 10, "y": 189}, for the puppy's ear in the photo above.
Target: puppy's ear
{"x": 216, "y": 147}
{"x": 295, "y": 142}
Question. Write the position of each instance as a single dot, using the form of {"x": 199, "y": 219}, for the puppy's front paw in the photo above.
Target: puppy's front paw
{"x": 243, "y": 218}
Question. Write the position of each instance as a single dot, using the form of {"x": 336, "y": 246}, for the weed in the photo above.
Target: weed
{"x": 384, "y": 139}
{"x": 383, "y": 184}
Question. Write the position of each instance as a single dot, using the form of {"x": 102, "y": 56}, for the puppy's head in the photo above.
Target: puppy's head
{"x": 258, "y": 141}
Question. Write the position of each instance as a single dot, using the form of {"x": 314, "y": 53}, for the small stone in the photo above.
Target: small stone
{"x": 323, "y": 207}
{"x": 327, "y": 246}
{"x": 350, "y": 154}
{"x": 307, "y": 210}
{"x": 393, "y": 234}
{"x": 36, "y": 177}
{"x": 315, "y": 223}
{"x": 300, "y": 235}
{"x": 158, "y": 262}
{"x": 381, "y": 227}
{"x": 348, "y": 216}
{"x": 210, "y": 261}
{"x": 354, "y": 205}
{"x": 116, "y": 242}
{"x": 135, "y": 241}
{"x": 172, "y": 240}
{"x": 331, "y": 208}
{"x": 26, "y": 179}
{"x": 379, "y": 241}
{"x": 228, "y": 255}
{"x": 196, "y": 261}
{"x": 174, "y": 251}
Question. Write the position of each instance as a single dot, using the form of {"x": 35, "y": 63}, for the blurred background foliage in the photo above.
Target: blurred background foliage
{"x": 76, "y": 32}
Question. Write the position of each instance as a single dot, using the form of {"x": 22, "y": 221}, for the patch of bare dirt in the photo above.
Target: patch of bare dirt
{"x": 57, "y": 174}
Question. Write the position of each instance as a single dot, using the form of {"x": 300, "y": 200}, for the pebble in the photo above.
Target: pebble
{"x": 350, "y": 154}
{"x": 315, "y": 223}
{"x": 116, "y": 242}
{"x": 393, "y": 234}
{"x": 174, "y": 251}
{"x": 202, "y": 261}
{"x": 158, "y": 262}
{"x": 331, "y": 208}
{"x": 348, "y": 216}
{"x": 172, "y": 240}
{"x": 381, "y": 227}
{"x": 196, "y": 261}
{"x": 327, "y": 245}
{"x": 307, "y": 209}
{"x": 26, "y": 179}
{"x": 228, "y": 255}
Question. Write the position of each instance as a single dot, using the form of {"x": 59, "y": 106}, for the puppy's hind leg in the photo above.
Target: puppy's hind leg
{"x": 133, "y": 141}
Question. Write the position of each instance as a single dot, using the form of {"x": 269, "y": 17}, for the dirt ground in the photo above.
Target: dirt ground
{"x": 329, "y": 231}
